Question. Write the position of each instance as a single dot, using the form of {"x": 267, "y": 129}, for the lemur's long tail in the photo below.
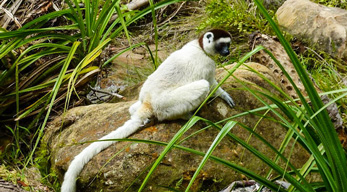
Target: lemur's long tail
{"x": 77, "y": 164}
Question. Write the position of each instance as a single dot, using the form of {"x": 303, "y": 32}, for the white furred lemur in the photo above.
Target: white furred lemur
{"x": 179, "y": 85}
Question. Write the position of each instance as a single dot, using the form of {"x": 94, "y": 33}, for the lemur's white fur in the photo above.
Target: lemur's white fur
{"x": 176, "y": 88}
{"x": 224, "y": 40}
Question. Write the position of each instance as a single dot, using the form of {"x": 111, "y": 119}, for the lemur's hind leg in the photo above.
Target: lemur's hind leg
{"x": 133, "y": 108}
{"x": 177, "y": 103}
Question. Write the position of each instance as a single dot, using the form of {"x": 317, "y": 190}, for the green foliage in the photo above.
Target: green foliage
{"x": 43, "y": 66}
{"x": 328, "y": 73}
{"x": 333, "y": 3}
{"x": 234, "y": 15}
{"x": 42, "y": 162}
{"x": 12, "y": 175}
{"x": 228, "y": 126}
{"x": 71, "y": 53}
{"x": 327, "y": 150}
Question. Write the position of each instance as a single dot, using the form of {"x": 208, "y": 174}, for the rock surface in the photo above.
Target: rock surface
{"x": 280, "y": 54}
{"x": 321, "y": 26}
{"x": 118, "y": 167}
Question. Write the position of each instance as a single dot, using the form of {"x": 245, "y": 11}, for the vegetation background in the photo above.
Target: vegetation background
{"x": 48, "y": 61}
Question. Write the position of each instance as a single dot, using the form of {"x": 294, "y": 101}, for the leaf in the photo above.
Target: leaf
{"x": 228, "y": 126}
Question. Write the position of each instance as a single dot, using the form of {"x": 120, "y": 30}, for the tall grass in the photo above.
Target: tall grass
{"x": 30, "y": 88}
{"x": 331, "y": 159}
{"x": 72, "y": 51}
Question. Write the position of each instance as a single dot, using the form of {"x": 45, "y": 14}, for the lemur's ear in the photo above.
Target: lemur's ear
{"x": 209, "y": 36}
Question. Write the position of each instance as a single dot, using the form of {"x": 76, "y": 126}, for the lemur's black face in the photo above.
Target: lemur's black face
{"x": 216, "y": 41}
{"x": 223, "y": 48}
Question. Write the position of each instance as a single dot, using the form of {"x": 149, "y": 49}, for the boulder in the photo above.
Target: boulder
{"x": 124, "y": 165}
{"x": 322, "y": 27}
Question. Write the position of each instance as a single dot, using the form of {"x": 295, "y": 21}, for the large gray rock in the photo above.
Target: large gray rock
{"x": 118, "y": 167}
{"x": 320, "y": 26}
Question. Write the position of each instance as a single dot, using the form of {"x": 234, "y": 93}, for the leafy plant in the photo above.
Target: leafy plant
{"x": 44, "y": 65}
{"x": 333, "y": 3}
{"x": 41, "y": 66}
{"x": 328, "y": 73}
{"x": 331, "y": 160}
{"x": 235, "y": 15}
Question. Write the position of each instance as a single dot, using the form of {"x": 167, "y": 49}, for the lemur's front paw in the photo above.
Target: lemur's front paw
{"x": 229, "y": 100}
{"x": 231, "y": 103}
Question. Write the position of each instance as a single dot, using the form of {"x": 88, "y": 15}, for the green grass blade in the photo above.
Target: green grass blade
{"x": 228, "y": 126}
{"x": 121, "y": 17}
{"x": 308, "y": 140}
{"x": 94, "y": 13}
{"x": 27, "y": 61}
{"x": 101, "y": 23}
{"x": 279, "y": 154}
{"x": 48, "y": 83}
{"x": 152, "y": 58}
{"x": 144, "y": 12}
{"x": 33, "y": 106}
{"x": 110, "y": 28}
{"x": 24, "y": 63}
{"x": 5, "y": 50}
{"x": 121, "y": 52}
{"x": 84, "y": 62}
{"x": 23, "y": 33}
{"x": 328, "y": 104}
{"x": 77, "y": 14}
{"x": 306, "y": 187}
{"x": 308, "y": 166}
{"x": 273, "y": 165}
{"x": 154, "y": 18}
{"x": 50, "y": 36}
{"x": 46, "y": 17}
{"x": 178, "y": 135}
{"x": 88, "y": 18}
{"x": 17, "y": 104}
{"x": 106, "y": 9}
{"x": 287, "y": 97}
{"x": 289, "y": 135}
{"x": 99, "y": 30}
{"x": 53, "y": 96}
{"x": 221, "y": 161}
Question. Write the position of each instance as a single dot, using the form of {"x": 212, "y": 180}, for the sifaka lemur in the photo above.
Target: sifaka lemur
{"x": 176, "y": 88}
